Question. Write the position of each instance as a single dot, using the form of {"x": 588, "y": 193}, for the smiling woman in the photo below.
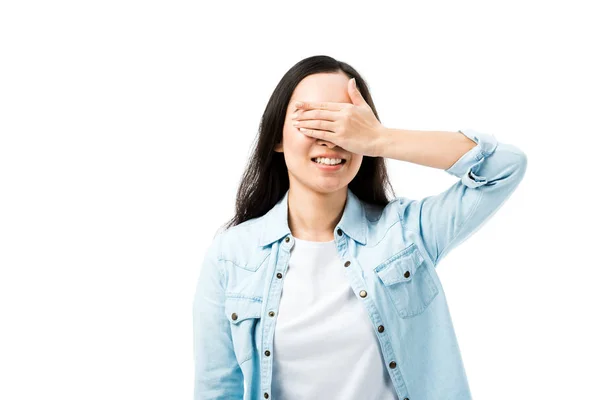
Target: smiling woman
{"x": 319, "y": 276}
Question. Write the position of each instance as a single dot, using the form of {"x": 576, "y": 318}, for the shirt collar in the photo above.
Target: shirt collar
{"x": 353, "y": 222}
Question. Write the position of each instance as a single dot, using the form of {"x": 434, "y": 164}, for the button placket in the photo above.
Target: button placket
{"x": 363, "y": 294}
{"x": 286, "y": 246}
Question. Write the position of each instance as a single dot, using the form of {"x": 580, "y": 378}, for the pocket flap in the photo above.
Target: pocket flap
{"x": 401, "y": 267}
{"x": 239, "y": 309}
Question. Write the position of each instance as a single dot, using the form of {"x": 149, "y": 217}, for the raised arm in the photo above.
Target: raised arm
{"x": 489, "y": 172}
{"x": 217, "y": 373}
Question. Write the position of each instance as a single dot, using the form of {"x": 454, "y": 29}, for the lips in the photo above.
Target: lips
{"x": 328, "y": 156}
{"x": 315, "y": 160}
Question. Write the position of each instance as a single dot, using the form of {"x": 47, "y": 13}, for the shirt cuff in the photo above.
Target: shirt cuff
{"x": 466, "y": 166}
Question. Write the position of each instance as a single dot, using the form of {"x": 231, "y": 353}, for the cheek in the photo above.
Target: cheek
{"x": 295, "y": 134}
{"x": 297, "y": 142}
{"x": 356, "y": 162}
{"x": 296, "y": 146}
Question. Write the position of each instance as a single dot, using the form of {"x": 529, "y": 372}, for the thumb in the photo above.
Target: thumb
{"x": 355, "y": 95}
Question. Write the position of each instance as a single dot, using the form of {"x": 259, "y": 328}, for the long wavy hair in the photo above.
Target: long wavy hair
{"x": 266, "y": 178}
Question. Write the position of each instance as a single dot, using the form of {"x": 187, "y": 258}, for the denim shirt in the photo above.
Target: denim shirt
{"x": 389, "y": 255}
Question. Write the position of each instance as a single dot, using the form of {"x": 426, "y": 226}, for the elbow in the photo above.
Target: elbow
{"x": 519, "y": 161}
{"x": 512, "y": 165}
{"x": 505, "y": 168}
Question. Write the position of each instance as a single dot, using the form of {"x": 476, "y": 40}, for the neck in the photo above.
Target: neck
{"x": 313, "y": 215}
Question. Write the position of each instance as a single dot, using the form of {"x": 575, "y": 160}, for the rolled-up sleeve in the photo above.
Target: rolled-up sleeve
{"x": 489, "y": 173}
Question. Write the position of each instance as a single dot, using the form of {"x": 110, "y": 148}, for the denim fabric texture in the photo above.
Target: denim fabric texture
{"x": 389, "y": 255}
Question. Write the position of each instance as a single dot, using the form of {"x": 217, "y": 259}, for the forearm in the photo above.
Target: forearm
{"x": 436, "y": 149}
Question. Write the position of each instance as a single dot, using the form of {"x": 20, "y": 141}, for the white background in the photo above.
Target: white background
{"x": 126, "y": 125}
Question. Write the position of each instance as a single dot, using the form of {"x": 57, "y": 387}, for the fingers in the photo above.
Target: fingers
{"x": 304, "y": 105}
{"x": 325, "y": 115}
{"x": 315, "y": 124}
{"x": 318, "y": 134}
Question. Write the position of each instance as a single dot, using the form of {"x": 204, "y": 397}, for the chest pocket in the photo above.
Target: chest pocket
{"x": 407, "y": 281}
{"x": 244, "y": 315}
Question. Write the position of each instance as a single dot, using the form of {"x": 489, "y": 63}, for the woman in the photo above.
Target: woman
{"x": 322, "y": 288}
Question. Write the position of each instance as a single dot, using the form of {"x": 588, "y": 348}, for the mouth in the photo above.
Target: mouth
{"x": 315, "y": 161}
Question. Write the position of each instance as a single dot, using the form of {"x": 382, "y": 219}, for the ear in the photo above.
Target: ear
{"x": 278, "y": 148}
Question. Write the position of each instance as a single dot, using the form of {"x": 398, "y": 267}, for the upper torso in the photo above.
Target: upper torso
{"x": 380, "y": 282}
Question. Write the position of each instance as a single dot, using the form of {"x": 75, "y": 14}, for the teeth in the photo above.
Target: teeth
{"x": 328, "y": 161}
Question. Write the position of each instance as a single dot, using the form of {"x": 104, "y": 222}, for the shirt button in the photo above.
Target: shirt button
{"x": 266, "y": 395}
{"x": 279, "y": 275}
{"x": 234, "y": 316}
{"x": 363, "y": 293}
{"x": 287, "y": 239}
{"x": 339, "y": 231}
{"x": 267, "y": 353}
{"x": 406, "y": 398}
{"x": 406, "y": 274}
{"x": 271, "y": 313}
{"x": 380, "y": 328}
{"x": 347, "y": 263}
{"x": 393, "y": 364}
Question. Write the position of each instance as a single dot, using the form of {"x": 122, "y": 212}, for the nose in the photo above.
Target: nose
{"x": 326, "y": 143}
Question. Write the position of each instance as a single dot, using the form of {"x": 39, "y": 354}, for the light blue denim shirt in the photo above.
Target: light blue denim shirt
{"x": 389, "y": 255}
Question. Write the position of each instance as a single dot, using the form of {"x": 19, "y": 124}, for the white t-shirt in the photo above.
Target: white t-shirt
{"x": 325, "y": 346}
